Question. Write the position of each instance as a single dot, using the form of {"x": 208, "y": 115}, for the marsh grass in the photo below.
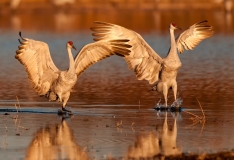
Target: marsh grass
{"x": 198, "y": 119}
{"x": 17, "y": 123}
{"x": 17, "y": 117}
{"x": 119, "y": 124}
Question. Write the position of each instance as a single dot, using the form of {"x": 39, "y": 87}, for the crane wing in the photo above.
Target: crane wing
{"x": 97, "y": 51}
{"x": 191, "y": 37}
{"x": 143, "y": 59}
{"x": 35, "y": 57}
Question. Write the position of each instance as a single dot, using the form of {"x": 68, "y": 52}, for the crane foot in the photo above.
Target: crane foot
{"x": 65, "y": 111}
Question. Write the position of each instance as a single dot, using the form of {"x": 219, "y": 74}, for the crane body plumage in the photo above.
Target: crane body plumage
{"x": 170, "y": 68}
{"x": 66, "y": 80}
{"x": 146, "y": 63}
{"x": 47, "y": 80}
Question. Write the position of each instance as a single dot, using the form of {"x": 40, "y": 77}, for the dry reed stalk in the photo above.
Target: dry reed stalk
{"x": 198, "y": 119}
{"x": 119, "y": 124}
{"x": 16, "y": 116}
{"x": 119, "y": 129}
{"x": 203, "y": 119}
{"x": 203, "y": 124}
{"x": 192, "y": 114}
{"x": 201, "y": 109}
{"x": 18, "y": 104}
{"x": 16, "y": 108}
{"x": 5, "y": 127}
{"x": 5, "y": 144}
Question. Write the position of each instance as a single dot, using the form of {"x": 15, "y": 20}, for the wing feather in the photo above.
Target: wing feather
{"x": 97, "y": 51}
{"x": 191, "y": 37}
{"x": 35, "y": 57}
{"x": 142, "y": 58}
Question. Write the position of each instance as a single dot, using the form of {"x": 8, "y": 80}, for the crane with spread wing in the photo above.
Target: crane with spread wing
{"x": 47, "y": 80}
{"x": 146, "y": 63}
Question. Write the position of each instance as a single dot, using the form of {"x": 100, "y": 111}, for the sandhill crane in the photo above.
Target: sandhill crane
{"x": 146, "y": 63}
{"x": 47, "y": 80}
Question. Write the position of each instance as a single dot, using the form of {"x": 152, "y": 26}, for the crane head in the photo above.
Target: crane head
{"x": 174, "y": 26}
{"x": 70, "y": 44}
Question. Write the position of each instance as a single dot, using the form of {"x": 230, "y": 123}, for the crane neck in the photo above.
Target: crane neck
{"x": 173, "y": 48}
{"x": 173, "y": 42}
{"x": 71, "y": 60}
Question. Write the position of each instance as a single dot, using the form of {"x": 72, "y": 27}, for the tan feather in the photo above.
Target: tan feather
{"x": 140, "y": 52}
{"x": 35, "y": 57}
{"x": 191, "y": 37}
{"x": 97, "y": 51}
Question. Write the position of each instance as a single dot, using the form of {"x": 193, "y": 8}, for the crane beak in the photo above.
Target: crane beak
{"x": 74, "y": 47}
{"x": 178, "y": 28}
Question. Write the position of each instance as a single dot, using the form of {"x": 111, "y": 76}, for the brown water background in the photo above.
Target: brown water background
{"x": 109, "y": 89}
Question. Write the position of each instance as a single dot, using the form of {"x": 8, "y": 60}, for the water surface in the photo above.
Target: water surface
{"x": 108, "y": 93}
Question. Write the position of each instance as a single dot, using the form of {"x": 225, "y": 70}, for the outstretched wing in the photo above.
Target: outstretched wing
{"x": 35, "y": 57}
{"x": 191, "y": 37}
{"x": 143, "y": 59}
{"x": 97, "y": 51}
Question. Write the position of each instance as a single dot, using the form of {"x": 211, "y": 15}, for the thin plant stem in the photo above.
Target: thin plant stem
{"x": 191, "y": 114}
{"x": 18, "y": 104}
{"x": 201, "y": 109}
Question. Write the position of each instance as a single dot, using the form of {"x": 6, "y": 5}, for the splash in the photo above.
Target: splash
{"x": 177, "y": 103}
{"x": 175, "y": 106}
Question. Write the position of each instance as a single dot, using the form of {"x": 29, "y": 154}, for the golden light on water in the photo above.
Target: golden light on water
{"x": 141, "y": 21}
{"x": 108, "y": 93}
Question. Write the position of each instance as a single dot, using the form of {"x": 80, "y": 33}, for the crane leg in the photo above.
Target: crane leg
{"x": 174, "y": 88}
{"x": 64, "y": 100}
{"x": 59, "y": 96}
{"x": 165, "y": 91}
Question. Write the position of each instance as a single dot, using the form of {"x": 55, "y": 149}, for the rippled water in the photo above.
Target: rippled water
{"x": 108, "y": 93}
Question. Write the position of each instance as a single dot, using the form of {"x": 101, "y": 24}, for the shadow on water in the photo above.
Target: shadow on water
{"x": 111, "y": 133}
{"x": 159, "y": 143}
{"x": 58, "y": 140}
{"x": 55, "y": 142}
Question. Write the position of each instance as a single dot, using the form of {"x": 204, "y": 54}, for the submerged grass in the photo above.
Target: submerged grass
{"x": 197, "y": 119}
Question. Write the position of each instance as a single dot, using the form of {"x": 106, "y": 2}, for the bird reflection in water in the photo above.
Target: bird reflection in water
{"x": 55, "y": 142}
{"x": 161, "y": 142}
